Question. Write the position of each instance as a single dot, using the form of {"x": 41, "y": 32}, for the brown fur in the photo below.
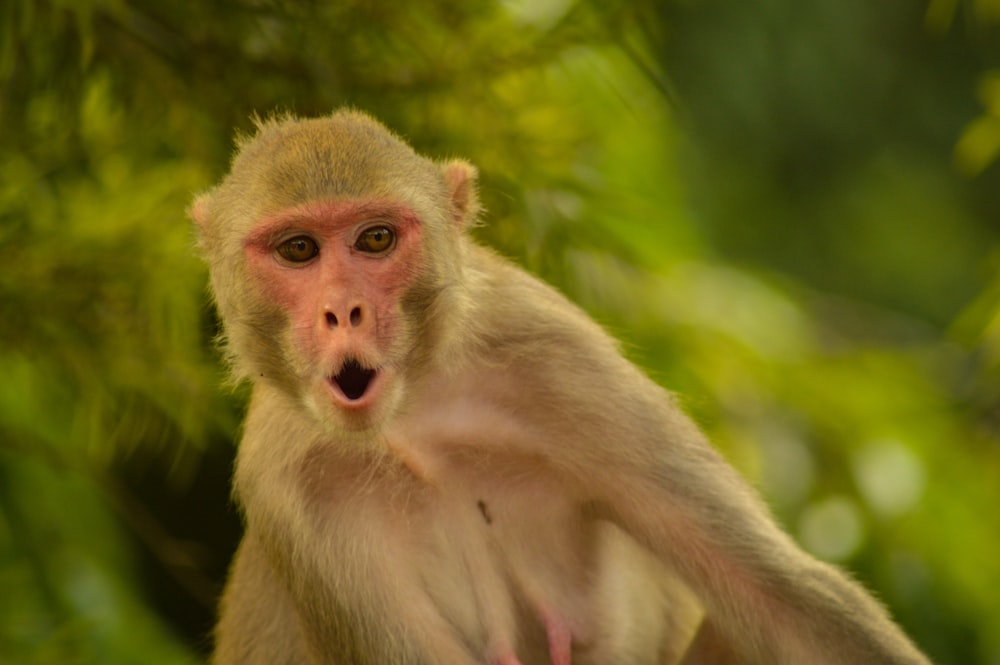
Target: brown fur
{"x": 524, "y": 485}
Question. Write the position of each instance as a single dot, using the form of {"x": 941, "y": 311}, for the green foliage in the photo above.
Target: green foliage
{"x": 760, "y": 199}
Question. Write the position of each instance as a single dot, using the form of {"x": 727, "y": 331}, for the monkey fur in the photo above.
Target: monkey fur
{"x": 445, "y": 462}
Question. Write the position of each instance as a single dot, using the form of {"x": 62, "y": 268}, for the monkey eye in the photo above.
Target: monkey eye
{"x": 376, "y": 240}
{"x": 298, "y": 249}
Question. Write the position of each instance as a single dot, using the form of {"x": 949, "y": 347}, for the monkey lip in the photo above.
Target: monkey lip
{"x": 353, "y": 381}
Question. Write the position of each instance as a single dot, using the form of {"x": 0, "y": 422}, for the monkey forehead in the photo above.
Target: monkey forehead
{"x": 344, "y": 156}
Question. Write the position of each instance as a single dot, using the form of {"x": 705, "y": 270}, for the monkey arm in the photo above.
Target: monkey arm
{"x": 668, "y": 488}
{"x": 637, "y": 458}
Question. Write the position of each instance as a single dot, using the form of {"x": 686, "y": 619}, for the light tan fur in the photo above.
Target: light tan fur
{"x": 523, "y": 475}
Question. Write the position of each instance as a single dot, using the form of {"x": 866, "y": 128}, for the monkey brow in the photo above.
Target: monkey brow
{"x": 326, "y": 215}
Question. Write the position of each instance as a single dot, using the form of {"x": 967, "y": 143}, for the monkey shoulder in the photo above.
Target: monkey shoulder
{"x": 515, "y": 315}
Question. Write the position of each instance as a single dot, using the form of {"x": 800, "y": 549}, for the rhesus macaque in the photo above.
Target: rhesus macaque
{"x": 445, "y": 462}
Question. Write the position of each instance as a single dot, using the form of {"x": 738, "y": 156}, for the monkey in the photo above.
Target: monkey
{"x": 445, "y": 461}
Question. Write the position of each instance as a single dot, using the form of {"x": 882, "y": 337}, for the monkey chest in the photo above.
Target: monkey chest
{"x": 508, "y": 562}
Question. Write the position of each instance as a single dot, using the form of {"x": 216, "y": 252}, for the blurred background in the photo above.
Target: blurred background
{"x": 788, "y": 211}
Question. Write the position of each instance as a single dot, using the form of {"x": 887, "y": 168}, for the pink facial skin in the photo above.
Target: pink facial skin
{"x": 343, "y": 303}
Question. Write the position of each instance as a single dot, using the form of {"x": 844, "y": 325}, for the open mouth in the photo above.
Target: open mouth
{"x": 353, "y": 379}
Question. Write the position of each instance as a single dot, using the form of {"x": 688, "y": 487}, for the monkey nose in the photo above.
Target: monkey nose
{"x": 354, "y": 318}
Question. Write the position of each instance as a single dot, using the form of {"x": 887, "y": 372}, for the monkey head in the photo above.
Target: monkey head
{"x": 332, "y": 249}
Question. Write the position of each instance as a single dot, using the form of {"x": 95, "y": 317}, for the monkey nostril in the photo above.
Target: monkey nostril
{"x": 356, "y": 316}
{"x": 331, "y": 319}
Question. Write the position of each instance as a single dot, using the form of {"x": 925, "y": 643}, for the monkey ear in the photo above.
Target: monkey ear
{"x": 199, "y": 210}
{"x": 461, "y": 176}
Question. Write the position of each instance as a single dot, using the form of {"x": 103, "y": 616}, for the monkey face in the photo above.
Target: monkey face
{"x": 338, "y": 271}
